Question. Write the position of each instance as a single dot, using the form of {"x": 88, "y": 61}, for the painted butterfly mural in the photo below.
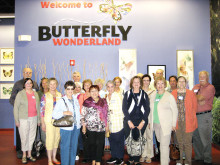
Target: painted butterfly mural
{"x": 7, "y": 73}
{"x": 114, "y": 10}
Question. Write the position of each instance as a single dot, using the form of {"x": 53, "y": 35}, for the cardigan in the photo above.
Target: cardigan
{"x": 130, "y": 105}
{"x": 190, "y": 103}
{"x": 21, "y": 106}
{"x": 167, "y": 112}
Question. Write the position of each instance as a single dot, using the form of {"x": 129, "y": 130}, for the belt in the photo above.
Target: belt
{"x": 203, "y": 112}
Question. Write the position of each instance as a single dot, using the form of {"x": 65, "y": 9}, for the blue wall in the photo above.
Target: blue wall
{"x": 159, "y": 28}
{"x": 7, "y": 41}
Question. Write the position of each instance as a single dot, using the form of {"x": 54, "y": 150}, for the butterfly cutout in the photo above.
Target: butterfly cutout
{"x": 115, "y": 11}
{"x": 7, "y": 91}
{"x": 7, "y": 73}
{"x": 7, "y": 55}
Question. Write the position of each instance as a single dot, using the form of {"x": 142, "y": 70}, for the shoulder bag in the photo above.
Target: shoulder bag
{"x": 135, "y": 147}
{"x": 65, "y": 121}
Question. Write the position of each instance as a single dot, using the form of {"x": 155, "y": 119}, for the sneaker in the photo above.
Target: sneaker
{"x": 31, "y": 159}
{"x": 178, "y": 164}
{"x": 119, "y": 162}
{"x": 19, "y": 154}
{"x": 77, "y": 157}
{"x": 111, "y": 161}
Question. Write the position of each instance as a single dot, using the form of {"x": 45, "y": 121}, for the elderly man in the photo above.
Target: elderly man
{"x": 202, "y": 140}
{"x": 173, "y": 83}
{"x": 18, "y": 86}
{"x": 76, "y": 76}
{"x": 159, "y": 73}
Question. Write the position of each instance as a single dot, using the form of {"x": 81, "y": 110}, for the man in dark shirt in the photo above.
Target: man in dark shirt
{"x": 18, "y": 86}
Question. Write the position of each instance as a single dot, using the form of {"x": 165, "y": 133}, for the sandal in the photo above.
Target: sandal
{"x": 129, "y": 162}
{"x": 148, "y": 160}
{"x": 24, "y": 160}
{"x": 142, "y": 159}
{"x": 31, "y": 159}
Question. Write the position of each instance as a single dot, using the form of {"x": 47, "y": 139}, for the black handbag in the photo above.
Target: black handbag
{"x": 65, "y": 121}
{"x": 38, "y": 146}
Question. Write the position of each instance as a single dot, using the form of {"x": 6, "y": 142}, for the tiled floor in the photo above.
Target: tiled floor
{"x": 8, "y": 153}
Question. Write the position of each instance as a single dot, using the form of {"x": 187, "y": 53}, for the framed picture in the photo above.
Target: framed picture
{"x": 185, "y": 66}
{"x": 127, "y": 66}
{"x": 7, "y": 56}
{"x": 5, "y": 90}
{"x": 7, "y": 73}
{"x": 151, "y": 70}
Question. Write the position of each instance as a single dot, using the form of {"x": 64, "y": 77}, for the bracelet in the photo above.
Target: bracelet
{"x": 143, "y": 122}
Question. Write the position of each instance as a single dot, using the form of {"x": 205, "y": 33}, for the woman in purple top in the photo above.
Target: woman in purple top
{"x": 94, "y": 122}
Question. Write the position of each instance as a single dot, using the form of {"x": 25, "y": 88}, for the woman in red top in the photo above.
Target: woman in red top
{"x": 187, "y": 121}
{"x": 27, "y": 116}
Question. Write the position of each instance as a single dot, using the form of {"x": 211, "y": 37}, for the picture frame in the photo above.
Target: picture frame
{"x": 185, "y": 66}
{"x": 7, "y": 72}
{"x": 6, "y": 90}
{"x": 7, "y": 56}
{"x": 151, "y": 70}
{"x": 127, "y": 66}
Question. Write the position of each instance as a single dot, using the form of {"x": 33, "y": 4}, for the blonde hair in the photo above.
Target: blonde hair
{"x": 99, "y": 80}
{"x": 160, "y": 79}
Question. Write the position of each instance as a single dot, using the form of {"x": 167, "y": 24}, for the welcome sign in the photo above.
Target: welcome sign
{"x": 91, "y": 34}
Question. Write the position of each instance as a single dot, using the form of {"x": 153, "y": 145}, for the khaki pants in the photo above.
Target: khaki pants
{"x": 185, "y": 143}
{"x": 148, "y": 149}
{"x": 27, "y": 131}
{"x": 52, "y": 136}
{"x": 164, "y": 144}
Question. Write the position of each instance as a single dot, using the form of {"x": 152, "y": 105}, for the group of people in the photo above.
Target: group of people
{"x": 146, "y": 108}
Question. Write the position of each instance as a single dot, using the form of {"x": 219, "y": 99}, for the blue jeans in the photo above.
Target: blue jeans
{"x": 68, "y": 145}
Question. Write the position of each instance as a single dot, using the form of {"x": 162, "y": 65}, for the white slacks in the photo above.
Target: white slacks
{"x": 27, "y": 131}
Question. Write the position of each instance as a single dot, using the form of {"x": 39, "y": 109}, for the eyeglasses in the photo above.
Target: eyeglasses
{"x": 27, "y": 72}
{"x": 70, "y": 89}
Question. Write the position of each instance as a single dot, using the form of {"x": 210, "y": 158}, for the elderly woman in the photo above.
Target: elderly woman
{"x": 187, "y": 121}
{"x": 27, "y": 116}
{"x": 163, "y": 117}
{"x": 100, "y": 82}
{"x": 78, "y": 89}
{"x": 148, "y": 152}
{"x": 136, "y": 110}
{"x": 94, "y": 122}
{"x": 48, "y": 102}
{"x": 76, "y": 76}
{"x": 115, "y": 122}
{"x": 118, "y": 89}
{"x": 68, "y": 105}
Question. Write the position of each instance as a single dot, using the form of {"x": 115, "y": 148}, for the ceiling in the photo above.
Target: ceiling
{"x": 7, "y": 6}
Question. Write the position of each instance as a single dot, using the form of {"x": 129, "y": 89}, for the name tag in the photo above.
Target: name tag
{"x": 113, "y": 101}
{"x": 33, "y": 97}
{"x": 180, "y": 97}
{"x": 196, "y": 90}
{"x": 157, "y": 100}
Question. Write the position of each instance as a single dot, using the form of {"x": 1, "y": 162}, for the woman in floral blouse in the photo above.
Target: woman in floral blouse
{"x": 94, "y": 121}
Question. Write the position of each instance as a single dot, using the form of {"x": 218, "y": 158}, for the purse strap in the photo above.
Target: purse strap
{"x": 66, "y": 104}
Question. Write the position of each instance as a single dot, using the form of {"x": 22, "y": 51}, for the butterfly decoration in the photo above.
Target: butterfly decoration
{"x": 7, "y": 55}
{"x": 7, "y": 73}
{"x": 7, "y": 91}
{"x": 114, "y": 10}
